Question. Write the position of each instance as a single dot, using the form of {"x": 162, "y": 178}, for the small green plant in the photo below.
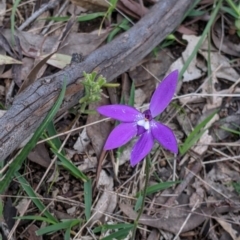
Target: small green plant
{"x": 93, "y": 89}
{"x": 111, "y": 8}
{"x": 234, "y": 10}
{"x": 119, "y": 231}
{"x": 124, "y": 25}
{"x": 236, "y": 186}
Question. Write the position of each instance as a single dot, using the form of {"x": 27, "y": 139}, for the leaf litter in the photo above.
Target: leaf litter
{"x": 208, "y": 171}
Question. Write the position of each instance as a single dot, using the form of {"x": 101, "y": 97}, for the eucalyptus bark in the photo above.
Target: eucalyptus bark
{"x": 31, "y": 106}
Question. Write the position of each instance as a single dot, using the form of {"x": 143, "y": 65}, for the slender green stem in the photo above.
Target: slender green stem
{"x": 147, "y": 169}
{"x": 234, "y": 7}
{"x": 204, "y": 34}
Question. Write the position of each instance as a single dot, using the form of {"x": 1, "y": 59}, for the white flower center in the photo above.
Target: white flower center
{"x": 144, "y": 123}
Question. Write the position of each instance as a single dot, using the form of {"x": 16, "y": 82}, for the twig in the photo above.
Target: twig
{"x": 51, "y": 22}
{"x": 185, "y": 222}
{"x": 45, "y": 7}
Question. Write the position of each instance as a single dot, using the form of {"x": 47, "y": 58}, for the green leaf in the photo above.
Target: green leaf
{"x": 234, "y": 7}
{"x": 119, "y": 234}
{"x": 67, "y": 164}
{"x": 138, "y": 203}
{"x": 159, "y": 187}
{"x": 236, "y": 186}
{"x": 195, "y": 135}
{"x": 14, "y": 9}
{"x": 52, "y": 132}
{"x": 152, "y": 189}
{"x": 230, "y": 130}
{"x": 1, "y": 208}
{"x": 66, "y": 224}
{"x": 82, "y": 18}
{"x": 37, "y": 218}
{"x": 16, "y": 164}
{"x": 123, "y": 26}
{"x": 88, "y": 198}
{"x": 106, "y": 227}
{"x": 132, "y": 95}
{"x": 204, "y": 34}
{"x": 30, "y": 192}
{"x": 196, "y": 13}
{"x": 229, "y": 11}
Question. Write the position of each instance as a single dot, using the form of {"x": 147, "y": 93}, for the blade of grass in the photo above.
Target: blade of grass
{"x": 30, "y": 192}
{"x": 234, "y": 7}
{"x": 204, "y": 34}
{"x": 18, "y": 161}
{"x": 106, "y": 227}
{"x": 229, "y": 11}
{"x": 158, "y": 187}
{"x": 14, "y": 9}
{"x": 66, "y": 224}
{"x": 123, "y": 26}
{"x": 150, "y": 190}
{"x": 67, "y": 164}
{"x": 88, "y": 198}
{"x": 70, "y": 166}
{"x": 193, "y": 5}
{"x": 230, "y": 130}
{"x": 119, "y": 234}
{"x": 132, "y": 95}
{"x": 195, "y": 135}
{"x": 52, "y": 132}
{"x": 83, "y": 18}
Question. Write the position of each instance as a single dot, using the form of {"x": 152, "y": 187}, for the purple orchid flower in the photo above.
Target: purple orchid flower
{"x": 135, "y": 123}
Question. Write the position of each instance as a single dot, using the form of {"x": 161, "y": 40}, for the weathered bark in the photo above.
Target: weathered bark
{"x": 31, "y": 106}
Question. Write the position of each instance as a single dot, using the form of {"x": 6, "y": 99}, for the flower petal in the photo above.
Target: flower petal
{"x": 120, "y": 135}
{"x": 120, "y": 112}
{"x": 141, "y": 148}
{"x": 164, "y": 135}
{"x": 163, "y": 94}
{"x": 140, "y": 130}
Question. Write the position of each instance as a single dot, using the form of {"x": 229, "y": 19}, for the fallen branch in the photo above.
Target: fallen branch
{"x": 31, "y": 106}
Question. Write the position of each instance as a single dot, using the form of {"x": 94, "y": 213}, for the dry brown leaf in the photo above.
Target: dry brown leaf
{"x": 31, "y": 232}
{"x": 193, "y": 72}
{"x": 154, "y": 235}
{"x": 229, "y": 122}
{"x": 38, "y": 25}
{"x": 223, "y": 43}
{"x": 40, "y": 155}
{"x": 59, "y": 60}
{"x": 157, "y": 65}
{"x": 82, "y": 142}
{"x": 2, "y": 53}
{"x": 108, "y": 200}
{"x": 229, "y": 228}
{"x": 99, "y": 132}
{"x": 5, "y": 60}
{"x": 32, "y": 76}
{"x": 219, "y": 180}
{"x": 37, "y": 45}
{"x": 170, "y": 223}
{"x": 134, "y": 7}
{"x": 27, "y": 64}
{"x": 186, "y": 31}
{"x": 217, "y": 59}
{"x": 203, "y": 143}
